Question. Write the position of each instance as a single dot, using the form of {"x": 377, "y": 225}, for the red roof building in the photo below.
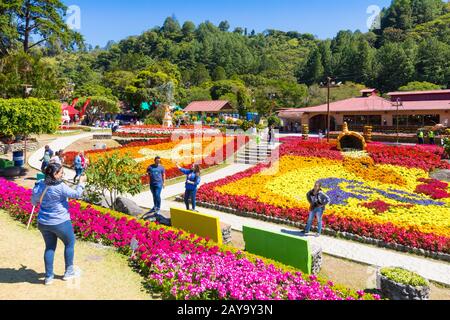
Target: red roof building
{"x": 415, "y": 110}
{"x": 210, "y": 107}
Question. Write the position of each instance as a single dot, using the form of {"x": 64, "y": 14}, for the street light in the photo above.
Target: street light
{"x": 398, "y": 104}
{"x": 272, "y": 97}
{"x": 331, "y": 83}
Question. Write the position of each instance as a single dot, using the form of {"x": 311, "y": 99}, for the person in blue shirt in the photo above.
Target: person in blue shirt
{"x": 78, "y": 166}
{"x": 157, "y": 174}
{"x": 192, "y": 182}
{"x": 54, "y": 220}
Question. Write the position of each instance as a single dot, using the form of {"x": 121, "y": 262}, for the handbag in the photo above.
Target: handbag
{"x": 34, "y": 208}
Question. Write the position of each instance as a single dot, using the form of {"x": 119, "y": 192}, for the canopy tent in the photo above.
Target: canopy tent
{"x": 72, "y": 111}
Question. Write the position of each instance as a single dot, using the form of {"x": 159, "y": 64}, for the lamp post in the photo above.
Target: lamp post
{"x": 272, "y": 97}
{"x": 398, "y": 104}
{"x": 331, "y": 83}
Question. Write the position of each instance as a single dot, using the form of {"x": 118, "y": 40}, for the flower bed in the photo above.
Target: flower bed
{"x": 369, "y": 200}
{"x": 183, "y": 266}
{"x": 159, "y": 131}
{"x": 206, "y": 151}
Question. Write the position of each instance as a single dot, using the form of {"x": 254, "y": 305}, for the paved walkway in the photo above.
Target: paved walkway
{"x": 59, "y": 144}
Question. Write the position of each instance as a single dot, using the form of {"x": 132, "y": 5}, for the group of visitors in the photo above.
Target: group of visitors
{"x": 431, "y": 137}
{"x": 157, "y": 175}
{"x": 51, "y": 157}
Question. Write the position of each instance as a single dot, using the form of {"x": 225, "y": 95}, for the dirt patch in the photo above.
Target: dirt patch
{"x": 105, "y": 273}
{"x": 89, "y": 143}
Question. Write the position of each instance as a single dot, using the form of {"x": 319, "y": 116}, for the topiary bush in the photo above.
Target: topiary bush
{"x": 403, "y": 276}
{"x": 151, "y": 121}
{"x": 401, "y": 284}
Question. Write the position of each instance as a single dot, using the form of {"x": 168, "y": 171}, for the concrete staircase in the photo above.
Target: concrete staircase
{"x": 254, "y": 153}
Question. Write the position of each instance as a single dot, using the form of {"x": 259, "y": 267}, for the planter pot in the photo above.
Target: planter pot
{"x": 398, "y": 291}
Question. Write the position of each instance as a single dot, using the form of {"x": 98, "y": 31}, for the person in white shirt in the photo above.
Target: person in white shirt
{"x": 56, "y": 159}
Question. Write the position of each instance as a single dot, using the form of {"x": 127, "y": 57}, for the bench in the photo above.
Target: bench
{"x": 287, "y": 249}
{"x": 203, "y": 225}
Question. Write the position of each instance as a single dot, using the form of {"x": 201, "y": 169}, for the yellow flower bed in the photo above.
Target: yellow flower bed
{"x": 360, "y": 178}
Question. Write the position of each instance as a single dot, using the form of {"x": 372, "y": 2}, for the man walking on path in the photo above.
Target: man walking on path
{"x": 157, "y": 174}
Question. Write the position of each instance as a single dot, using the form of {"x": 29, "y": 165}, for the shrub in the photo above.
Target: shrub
{"x": 28, "y": 116}
{"x": 274, "y": 121}
{"x": 151, "y": 121}
{"x": 405, "y": 277}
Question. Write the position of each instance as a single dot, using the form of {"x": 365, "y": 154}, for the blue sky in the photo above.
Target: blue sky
{"x": 103, "y": 20}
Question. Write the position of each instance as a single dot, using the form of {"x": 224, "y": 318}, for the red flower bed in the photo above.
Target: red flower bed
{"x": 427, "y": 158}
{"x": 300, "y": 147}
{"x": 434, "y": 188}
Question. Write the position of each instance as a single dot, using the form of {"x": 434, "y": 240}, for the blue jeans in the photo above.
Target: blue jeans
{"x": 190, "y": 195}
{"x": 317, "y": 212}
{"x": 51, "y": 234}
{"x": 156, "y": 192}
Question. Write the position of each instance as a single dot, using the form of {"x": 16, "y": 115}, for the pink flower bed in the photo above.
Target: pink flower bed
{"x": 183, "y": 266}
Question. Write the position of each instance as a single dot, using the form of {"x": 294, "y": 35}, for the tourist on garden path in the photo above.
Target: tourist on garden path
{"x": 320, "y": 136}
{"x": 157, "y": 174}
{"x": 78, "y": 166}
{"x": 56, "y": 158}
{"x": 45, "y": 161}
{"x": 50, "y": 151}
{"x": 318, "y": 200}
{"x": 431, "y": 136}
{"x": 271, "y": 135}
{"x": 54, "y": 219}
{"x": 192, "y": 182}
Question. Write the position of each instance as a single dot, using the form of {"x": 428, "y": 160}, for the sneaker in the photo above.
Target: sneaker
{"x": 317, "y": 235}
{"x": 72, "y": 273}
{"x": 49, "y": 281}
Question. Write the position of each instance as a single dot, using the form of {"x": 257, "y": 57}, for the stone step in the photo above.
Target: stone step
{"x": 261, "y": 158}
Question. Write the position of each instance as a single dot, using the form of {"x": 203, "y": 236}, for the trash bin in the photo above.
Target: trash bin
{"x": 19, "y": 159}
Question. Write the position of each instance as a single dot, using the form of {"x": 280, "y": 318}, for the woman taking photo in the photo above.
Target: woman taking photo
{"x": 192, "y": 183}
{"x": 54, "y": 219}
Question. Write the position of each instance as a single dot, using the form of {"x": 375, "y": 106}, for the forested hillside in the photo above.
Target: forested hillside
{"x": 255, "y": 71}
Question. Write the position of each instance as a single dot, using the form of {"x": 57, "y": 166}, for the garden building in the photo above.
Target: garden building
{"x": 412, "y": 110}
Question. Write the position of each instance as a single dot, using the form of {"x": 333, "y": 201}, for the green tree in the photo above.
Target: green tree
{"x": 200, "y": 75}
{"x": 313, "y": 71}
{"x": 20, "y": 68}
{"x": 114, "y": 175}
{"x": 433, "y": 61}
{"x": 171, "y": 27}
{"x": 420, "y": 86}
{"x": 98, "y": 107}
{"x": 188, "y": 29}
{"x": 395, "y": 69}
{"x": 362, "y": 66}
{"x": 224, "y": 26}
{"x": 44, "y": 20}
{"x": 219, "y": 74}
{"x": 28, "y": 116}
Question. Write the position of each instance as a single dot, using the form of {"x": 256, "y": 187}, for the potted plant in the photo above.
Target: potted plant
{"x": 402, "y": 284}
